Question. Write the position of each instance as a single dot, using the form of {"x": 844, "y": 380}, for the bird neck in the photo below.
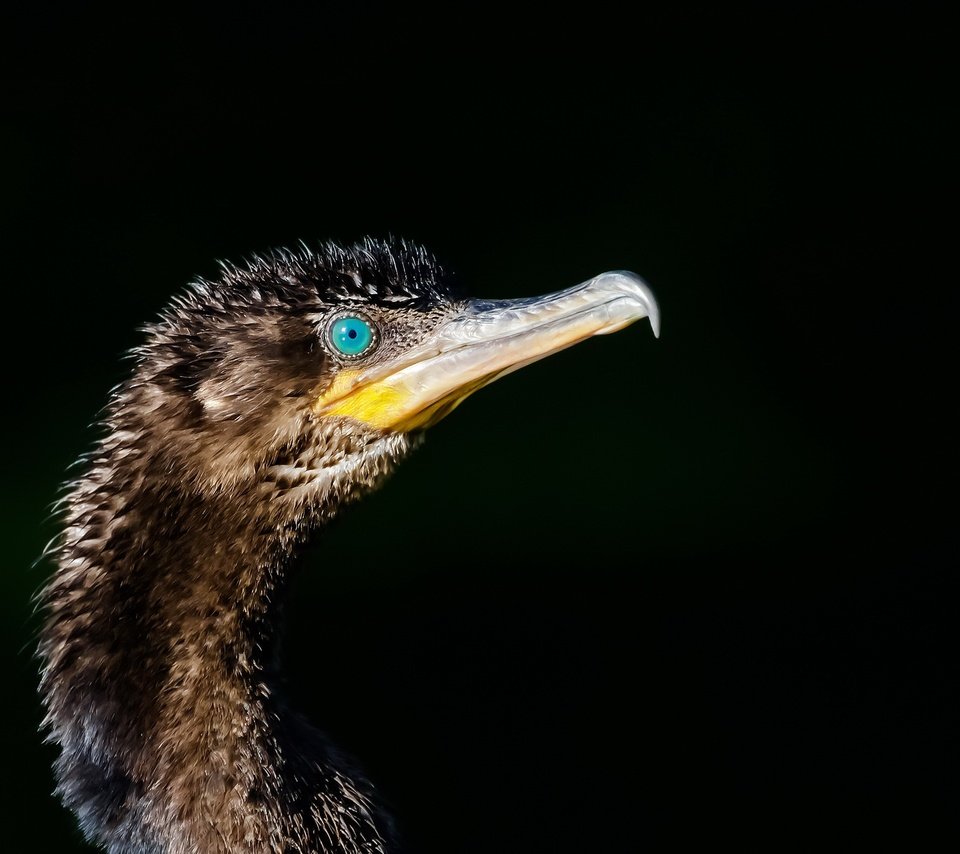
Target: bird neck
{"x": 160, "y": 669}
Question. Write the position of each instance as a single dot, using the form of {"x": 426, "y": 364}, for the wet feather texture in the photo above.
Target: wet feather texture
{"x": 158, "y": 653}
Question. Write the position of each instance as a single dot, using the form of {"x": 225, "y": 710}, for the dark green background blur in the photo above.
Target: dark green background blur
{"x": 643, "y": 590}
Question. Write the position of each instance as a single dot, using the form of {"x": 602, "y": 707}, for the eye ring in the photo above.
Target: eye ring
{"x": 351, "y": 334}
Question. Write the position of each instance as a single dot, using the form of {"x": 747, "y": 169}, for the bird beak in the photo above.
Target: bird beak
{"x": 486, "y": 340}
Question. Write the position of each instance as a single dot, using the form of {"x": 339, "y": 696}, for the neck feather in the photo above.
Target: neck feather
{"x": 159, "y": 672}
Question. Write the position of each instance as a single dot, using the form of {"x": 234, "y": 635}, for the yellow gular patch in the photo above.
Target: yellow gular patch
{"x": 388, "y": 404}
{"x": 376, "y": 404}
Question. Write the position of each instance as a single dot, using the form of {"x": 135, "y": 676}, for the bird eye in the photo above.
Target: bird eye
{"x": 351, "y": 335}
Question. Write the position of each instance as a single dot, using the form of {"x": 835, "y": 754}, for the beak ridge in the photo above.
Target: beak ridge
{"x": 486, "y": 340}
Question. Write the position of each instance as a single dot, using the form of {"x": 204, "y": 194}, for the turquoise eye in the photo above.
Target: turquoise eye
{"x": 351, "y": 335}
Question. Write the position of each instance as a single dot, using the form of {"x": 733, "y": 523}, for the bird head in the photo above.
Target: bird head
{"x": 315, "y": 370}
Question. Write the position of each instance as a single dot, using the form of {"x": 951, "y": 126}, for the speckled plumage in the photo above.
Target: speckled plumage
{"x": 158, "y": 659}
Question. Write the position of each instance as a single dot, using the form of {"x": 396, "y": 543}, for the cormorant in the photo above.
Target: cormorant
{"x": 259, "y": 404}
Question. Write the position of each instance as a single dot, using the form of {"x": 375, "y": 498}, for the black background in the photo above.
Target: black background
{"x": 645, "y": 590}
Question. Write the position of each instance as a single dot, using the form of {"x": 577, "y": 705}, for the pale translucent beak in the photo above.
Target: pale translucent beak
{"x": 487, "y": 340}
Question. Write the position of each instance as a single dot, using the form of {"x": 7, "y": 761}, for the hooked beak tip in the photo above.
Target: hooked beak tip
{"x": 632, "y": 285}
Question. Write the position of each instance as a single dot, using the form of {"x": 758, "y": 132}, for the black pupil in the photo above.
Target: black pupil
{"x": 352, "y": 333}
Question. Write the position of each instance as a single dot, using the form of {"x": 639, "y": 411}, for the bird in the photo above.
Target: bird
{"x": 259, "y": 403}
